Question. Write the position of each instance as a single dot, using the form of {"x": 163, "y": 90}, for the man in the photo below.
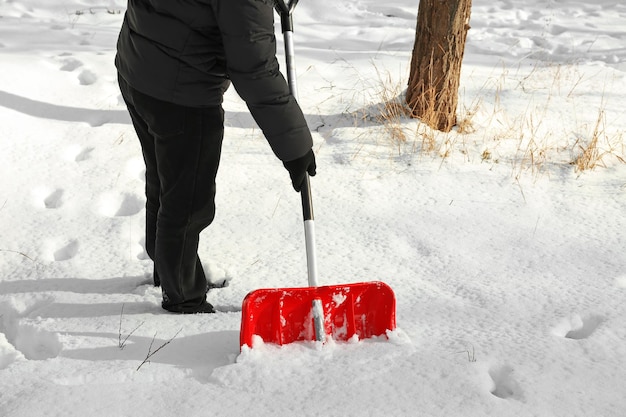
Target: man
{"x": 175, "y": 59}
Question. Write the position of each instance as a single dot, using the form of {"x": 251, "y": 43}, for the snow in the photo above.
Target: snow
{"x": 508, "y": 262}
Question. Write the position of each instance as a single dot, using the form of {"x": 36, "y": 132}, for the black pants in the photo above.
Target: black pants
{"x": 181, "y": 148}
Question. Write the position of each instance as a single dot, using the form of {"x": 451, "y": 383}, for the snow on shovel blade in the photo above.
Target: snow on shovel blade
{"x": 284, "y": 315}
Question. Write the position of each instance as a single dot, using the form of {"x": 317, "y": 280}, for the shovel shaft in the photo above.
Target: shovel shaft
{"x": 285, "y": 8}
{"x": 291, "y": 66}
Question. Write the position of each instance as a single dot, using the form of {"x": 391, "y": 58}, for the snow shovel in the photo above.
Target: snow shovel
{"x": 341, "y": 312}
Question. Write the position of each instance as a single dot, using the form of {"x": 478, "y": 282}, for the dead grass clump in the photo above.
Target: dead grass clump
{"x": 393, "y": 113}
{"x": 392, "y": 109}
{"x": 592, "y": 154}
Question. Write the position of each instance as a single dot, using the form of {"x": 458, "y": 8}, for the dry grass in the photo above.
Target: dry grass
{"x": 513, "y": 118}
{"x": 592, "y": 154}
{"x": 393, "y": 113}
{"x": 392, "y": 109}
{"x": 465, "y": 125}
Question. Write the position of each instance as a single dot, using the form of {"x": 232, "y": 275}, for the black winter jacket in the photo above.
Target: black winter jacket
{"x": 187, "y": 52}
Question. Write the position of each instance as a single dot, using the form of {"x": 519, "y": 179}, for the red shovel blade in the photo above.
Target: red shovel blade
{"x": 284, "y": 315}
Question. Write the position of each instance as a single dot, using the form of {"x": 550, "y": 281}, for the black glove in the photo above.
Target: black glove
{"x": 299, "y": 167}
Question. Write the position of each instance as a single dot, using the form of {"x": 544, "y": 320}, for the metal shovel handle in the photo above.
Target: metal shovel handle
{"x": 285, "y": 9}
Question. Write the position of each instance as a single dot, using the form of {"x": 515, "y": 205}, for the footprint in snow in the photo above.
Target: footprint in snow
{"x": 49, "y": 198}
{"x": 83, "y": 155}
{"x": 18, "y": 338}
{"x": 87, "y": 77}
{"x": 58, "y": 250}
{"x": 66, "y": 252}
{"x": 504, "y": 386}
{"x": 70, "y": 64}
{"x": 37, "y": 344}
{"x": 119, "y": 205}
{"x": 577, "y": 327}
{"x": 54, "y": 200}
{"x": 587, "y": 326}
{"x": 77, "y": 153}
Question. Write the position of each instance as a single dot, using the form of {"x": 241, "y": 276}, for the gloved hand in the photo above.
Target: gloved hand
{"x": 299, "y": 167}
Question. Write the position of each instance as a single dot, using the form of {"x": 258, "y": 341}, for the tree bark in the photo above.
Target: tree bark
{"x": 440, "y": 35}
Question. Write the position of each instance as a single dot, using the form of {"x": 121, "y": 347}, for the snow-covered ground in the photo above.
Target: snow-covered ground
{"x": 508, "y": 262}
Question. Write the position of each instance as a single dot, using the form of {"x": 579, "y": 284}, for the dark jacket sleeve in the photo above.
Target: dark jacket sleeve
{"x": 247, "y": 28}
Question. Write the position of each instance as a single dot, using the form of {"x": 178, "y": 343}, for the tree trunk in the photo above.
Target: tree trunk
{"x": 440, "y": 35}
